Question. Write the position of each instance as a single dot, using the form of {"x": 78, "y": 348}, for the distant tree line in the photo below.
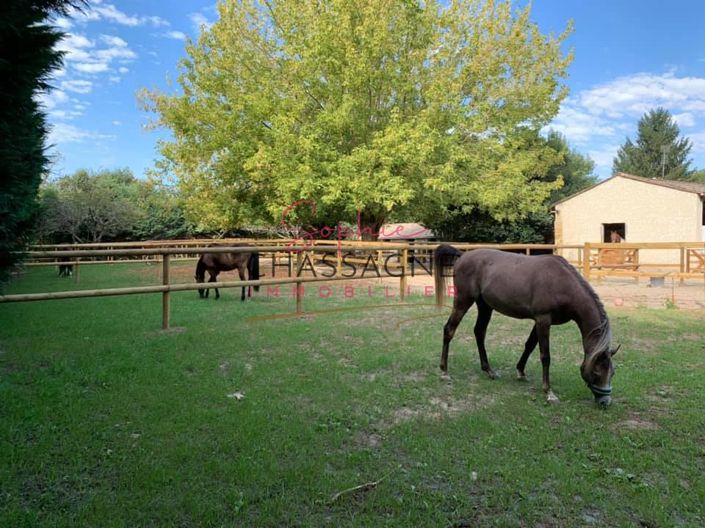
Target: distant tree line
{"x": 109, "y": 205}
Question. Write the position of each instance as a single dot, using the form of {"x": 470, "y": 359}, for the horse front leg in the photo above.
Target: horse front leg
{"x": 543, "y": 332}
{"x": 484, "y": 314}
{"x": 241, "y": 273}
{"x": 217, "y": 294}
{"x": 459, "y": 311}
{"x": 529, "y": 347}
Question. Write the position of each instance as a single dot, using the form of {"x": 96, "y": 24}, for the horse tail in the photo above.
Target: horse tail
{"x": 253, "y": 267}
{"x": 200, "y": 270}
{"x": 442, "y": 258}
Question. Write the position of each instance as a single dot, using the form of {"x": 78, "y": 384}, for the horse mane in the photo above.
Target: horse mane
{"x": 605, "y": 332}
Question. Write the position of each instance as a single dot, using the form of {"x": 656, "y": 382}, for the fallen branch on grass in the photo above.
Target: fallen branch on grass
{"x": 362, "y": 487}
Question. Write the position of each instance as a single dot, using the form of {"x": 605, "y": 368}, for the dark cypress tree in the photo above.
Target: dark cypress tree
{"x": 27, "y": 57}
{"x": 658, "y": 151}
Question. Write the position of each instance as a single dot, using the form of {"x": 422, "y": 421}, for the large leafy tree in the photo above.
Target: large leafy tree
{"x": 574, "y": 169}
{"x": 27, "y": 57}
{"x": 658, "y": 151}
{"x": 362, "y": 105}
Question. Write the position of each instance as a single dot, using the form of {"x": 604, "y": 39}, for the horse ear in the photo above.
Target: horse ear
{"x": 614, "y": 351}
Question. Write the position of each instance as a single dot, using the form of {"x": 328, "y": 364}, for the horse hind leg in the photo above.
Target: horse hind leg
{"x": 213, "y": 279}
{"x": 529, "y": 347}
{"x": 459, "y": 311}
{"x": 241, "y": 273}
{"x": 484, "y": 314}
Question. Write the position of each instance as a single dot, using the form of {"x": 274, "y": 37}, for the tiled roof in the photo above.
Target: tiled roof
{"x": 408, "y": 231}
{"x": 673, "y": 184}
{"x": 685, "y": 186}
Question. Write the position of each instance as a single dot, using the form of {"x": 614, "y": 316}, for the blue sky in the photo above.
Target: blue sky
{"x": 630, "y": 56}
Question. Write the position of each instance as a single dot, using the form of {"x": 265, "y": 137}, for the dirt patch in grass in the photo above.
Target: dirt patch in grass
{"x": 644, "y": 345}
{"x": 636, "y": 422}
{"x": 367, "y": 440}
{"x": 436, "y": 409}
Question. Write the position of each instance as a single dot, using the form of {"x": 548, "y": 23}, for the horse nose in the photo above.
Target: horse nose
{"x": 603, "y": 401}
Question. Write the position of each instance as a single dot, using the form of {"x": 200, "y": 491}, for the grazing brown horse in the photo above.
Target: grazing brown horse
{"x": 214, "y": 263}
{"x": 545, "y": 288}
{"x": 65, "y": 270}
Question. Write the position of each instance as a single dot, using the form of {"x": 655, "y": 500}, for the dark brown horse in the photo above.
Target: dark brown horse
{"x": 65, "y": 270}
{"x": 545, "y": 288}
{"x": 214, "y": 263}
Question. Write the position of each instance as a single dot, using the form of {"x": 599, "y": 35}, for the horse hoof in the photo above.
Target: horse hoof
{"x": 521, "y": 376}
{"x": 492, "y": 374}
{"x": 552, "y": 398}
{"x": 445, "y": 376}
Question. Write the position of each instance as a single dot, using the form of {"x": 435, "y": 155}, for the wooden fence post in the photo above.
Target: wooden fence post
{"x": 682, "y": 265}
{"x": 298, "y": 284}
{"x": 165, "y": 295}
{"x": 403, "y": 279}
{"x": 586, "y": 261}
{"x": 76, "y": 272}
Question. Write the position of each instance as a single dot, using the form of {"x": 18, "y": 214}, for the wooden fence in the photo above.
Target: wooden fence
{"x": 167, "y": 287}
{"x": 594, "y": 260}
{"x": 626, "y": 260}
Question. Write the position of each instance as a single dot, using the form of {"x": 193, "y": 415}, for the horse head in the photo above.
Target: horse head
{"x": 597, "y": 371}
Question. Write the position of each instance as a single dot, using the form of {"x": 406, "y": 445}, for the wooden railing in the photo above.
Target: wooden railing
{"x": 594, "y": 260}
{"x": 626, "y": 260}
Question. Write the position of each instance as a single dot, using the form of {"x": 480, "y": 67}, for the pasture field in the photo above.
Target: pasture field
{"x": 231, "y": 421}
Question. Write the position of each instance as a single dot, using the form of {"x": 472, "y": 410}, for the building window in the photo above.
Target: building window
{"x": 614, "y": 232}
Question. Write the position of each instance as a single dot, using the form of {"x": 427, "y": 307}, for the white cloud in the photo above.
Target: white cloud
{"x": 636, "y": 94}
{"x": 112, "y": 40}
{"x": 74, "y": 46}
{"x": 91, "y": 67}
{"x": 113, "y": 14}
{"x": 685, "y": 119}
{"x": 65, "y": 114}
{"x": 117, "y": 123}
{"x": 65, "y": 133}
{"x": 579, "y": 125}
{"x": 78, "y": 86}
{"x": 600, "y": 118}
{"x": 110, "y": 54}
{"x": 50, "y": 100}
{"x": 200, "y": 21}
{"x": 123, "y": 70}
{"x": 698, "y": 140}
{"x": 177, "y": 35}
{"x": 157, "y": 21}
{"x": 85, "y": 56}
{"x": 604, "y": 156}
{"x": 108, "y": 12}
{"x": 63, "y": 23}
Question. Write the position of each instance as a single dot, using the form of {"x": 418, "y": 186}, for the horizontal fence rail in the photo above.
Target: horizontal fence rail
{"x": 591, "y": 259}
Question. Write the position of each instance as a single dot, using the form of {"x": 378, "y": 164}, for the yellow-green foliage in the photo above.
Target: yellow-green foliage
{"x": 383, "y": 106}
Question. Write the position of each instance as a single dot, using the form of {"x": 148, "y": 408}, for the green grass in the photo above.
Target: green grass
{"x": 107, "y": 421}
